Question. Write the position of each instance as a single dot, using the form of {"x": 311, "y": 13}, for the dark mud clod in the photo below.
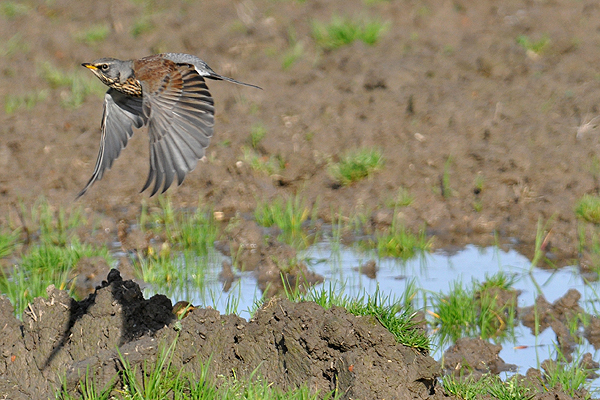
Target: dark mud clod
{"x": 114, "y": 276}
{"x": 289, "y": 344}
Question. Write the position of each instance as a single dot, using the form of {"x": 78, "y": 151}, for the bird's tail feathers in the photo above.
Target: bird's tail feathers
{"x": 218, "y": 77}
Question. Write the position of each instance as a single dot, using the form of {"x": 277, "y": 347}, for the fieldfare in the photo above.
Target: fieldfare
{"x": 168, "y": 93}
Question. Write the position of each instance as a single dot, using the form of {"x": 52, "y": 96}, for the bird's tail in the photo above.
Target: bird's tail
{"x": 218, "y": 77}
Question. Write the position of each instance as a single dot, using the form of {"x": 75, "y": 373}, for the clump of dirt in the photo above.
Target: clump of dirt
{"x": 289, "y": 344}
{"x": 559, "y": 316}
{"x": 592, "y": 332}
{"x": 369, "y": 269}
{"x": 475, "y": 356}
{"x": 504, "y": 299}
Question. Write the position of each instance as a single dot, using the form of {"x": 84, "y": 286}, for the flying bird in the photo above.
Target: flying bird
{"x": 168, "y": 93}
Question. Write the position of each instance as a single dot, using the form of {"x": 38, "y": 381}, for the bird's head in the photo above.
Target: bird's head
{"x": 110, "y": 71}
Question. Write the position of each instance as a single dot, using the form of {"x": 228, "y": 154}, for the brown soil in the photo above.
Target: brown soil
{"x": 447, "y": 81}
{"x": 287, "y": 344}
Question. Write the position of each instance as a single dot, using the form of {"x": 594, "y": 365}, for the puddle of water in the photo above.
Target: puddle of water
{"x": 434, "y": 273}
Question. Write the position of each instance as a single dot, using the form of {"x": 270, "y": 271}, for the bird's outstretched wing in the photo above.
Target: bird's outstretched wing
{"x": 121, "y": 114}
{"x": 181, "y": 119}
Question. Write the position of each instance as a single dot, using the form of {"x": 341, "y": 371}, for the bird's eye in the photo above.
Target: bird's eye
{"x": 104, "y": 67}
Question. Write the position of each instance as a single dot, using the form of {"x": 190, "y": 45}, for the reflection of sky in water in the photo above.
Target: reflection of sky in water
{"x": 240, "y": 297}
{"x": 433, "y": 273}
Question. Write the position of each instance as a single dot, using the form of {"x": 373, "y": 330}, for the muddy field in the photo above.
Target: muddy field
{"x": 488, "y": 135}
{"x": 448, "y": 90}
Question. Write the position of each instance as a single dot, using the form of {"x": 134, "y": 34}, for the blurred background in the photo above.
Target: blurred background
{"x": 483, "y": 113}
{"x": 471, "y": 121}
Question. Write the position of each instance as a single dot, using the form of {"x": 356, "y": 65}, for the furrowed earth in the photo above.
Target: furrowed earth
{"x": 485, "y": 112}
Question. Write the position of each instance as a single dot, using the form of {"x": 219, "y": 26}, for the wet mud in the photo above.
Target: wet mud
{"x": 61, "y": 340}
{"x": 486, "y": 135}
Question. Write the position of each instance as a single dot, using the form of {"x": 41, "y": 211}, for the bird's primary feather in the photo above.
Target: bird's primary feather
{"x": 121, "y": 114}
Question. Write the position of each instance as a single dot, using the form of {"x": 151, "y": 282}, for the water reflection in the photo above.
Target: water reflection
{"x": 437, "y": 272}
{"x": 358, "y": 272}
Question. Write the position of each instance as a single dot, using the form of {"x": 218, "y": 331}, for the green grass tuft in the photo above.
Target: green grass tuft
{"x": 399, "y": 320}
{"x": 14, "y": 45}
{"x": 398, "y": 242}
{"x": 13, "y": 9}
{"x": 341, "y": 31}
{"x": 356, "y": 165}
{"x": 94, "y": 34}
{"x": 196, "y": 232}
{"x": 446, "y": 188}
{"x": 488, "y": 385}
{"x": 55, "y": 226}
{"x": 181, "y": 273}
{"x": 257, "y": 134}
{"x": 541, "y": 238}
{"x": 536, "y": 47}
{"x": 468, "y": 312}
{"x": 588, "y": 208}
{"x": 185, "y": 230}
{"x": 403, "y": 198}
{"x": 24, "y": 101}
{"x": 294, "y": 52}
{"x": 8, "y": 242}
{"x": 456, "y": 313}
{"x": 569, "y": 377}
{"x": 479, "y": 182}
{"x": 269, "y": 165}
{"x": 141, "y": 26}
{"x": 499, "y": 280}
{"x": 289, "y": 215}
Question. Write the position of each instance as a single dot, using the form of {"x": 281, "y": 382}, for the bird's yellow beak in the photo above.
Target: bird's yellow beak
{"x": 90, "y": 66}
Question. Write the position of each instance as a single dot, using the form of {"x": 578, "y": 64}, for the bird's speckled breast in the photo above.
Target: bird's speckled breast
{"x": 131, "y": 87}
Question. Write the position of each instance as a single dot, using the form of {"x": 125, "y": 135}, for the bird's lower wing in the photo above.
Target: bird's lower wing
{"x": 121, "y": 114}
{"x": 180, "y": 124}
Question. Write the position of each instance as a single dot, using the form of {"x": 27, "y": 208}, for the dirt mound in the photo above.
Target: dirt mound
{"x": 289, "y": 344}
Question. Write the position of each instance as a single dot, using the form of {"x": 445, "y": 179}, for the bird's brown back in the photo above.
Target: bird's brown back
{"x": 154, "y": 71}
